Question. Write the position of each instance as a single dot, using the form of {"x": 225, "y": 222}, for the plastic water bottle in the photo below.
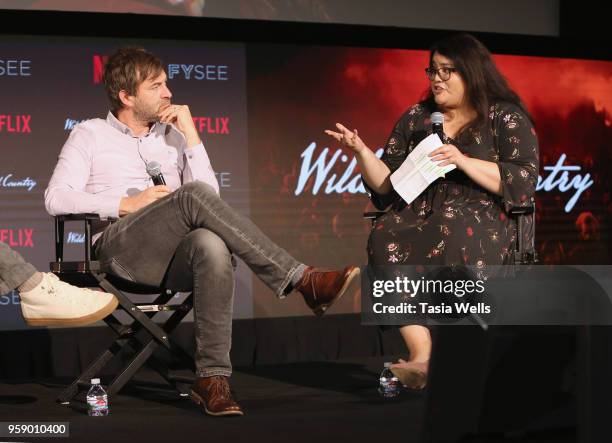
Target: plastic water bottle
{"x": 389, "y": 384}
{"x": 97, "y": 400}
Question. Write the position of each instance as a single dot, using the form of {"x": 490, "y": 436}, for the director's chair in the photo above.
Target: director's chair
{"x": 142, "y": 335}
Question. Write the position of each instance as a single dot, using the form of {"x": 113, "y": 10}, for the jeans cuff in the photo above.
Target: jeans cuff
{"x": 211, "y": 372}
{"x": 282, "y": 290}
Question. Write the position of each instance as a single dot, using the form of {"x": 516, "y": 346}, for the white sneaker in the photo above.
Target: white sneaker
{"x": 55, "y": 303}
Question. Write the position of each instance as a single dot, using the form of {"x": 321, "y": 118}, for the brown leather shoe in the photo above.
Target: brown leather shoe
{"x": 321, "y": 288}
{"x": 214, "y": 396}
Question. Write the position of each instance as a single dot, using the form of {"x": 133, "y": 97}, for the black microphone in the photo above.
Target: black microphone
{"x": 154, "y": 171}
{"x": 437, "y": 120}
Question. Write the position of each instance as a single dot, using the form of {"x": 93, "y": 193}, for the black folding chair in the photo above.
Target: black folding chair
{"x": 141, "y": 336}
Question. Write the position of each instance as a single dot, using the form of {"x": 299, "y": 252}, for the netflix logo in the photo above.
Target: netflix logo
{"x": 17, "y": 238}
{"x": 212, "y": 125}
{"x": 98, "y": 68}
{"x": 15, "y": 123}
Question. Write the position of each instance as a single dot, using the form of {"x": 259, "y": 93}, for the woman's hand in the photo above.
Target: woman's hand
{"x": 448, "y": 154}
{"x": 348, "y": 138}
{"x": 482, "y": 172}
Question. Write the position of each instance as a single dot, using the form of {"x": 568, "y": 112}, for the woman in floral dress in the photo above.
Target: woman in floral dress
{"x": 462, "y": 218}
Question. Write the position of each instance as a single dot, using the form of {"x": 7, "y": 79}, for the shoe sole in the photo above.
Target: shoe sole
{"x": 414, "y": 379}
{"x": 200, "y": 402}
{"x": 79, "y": 321}
{"x": 320, "y": 310}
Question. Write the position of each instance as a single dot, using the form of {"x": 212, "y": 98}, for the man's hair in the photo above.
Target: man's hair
{"x": 485, "y": 85}
{"x": 126, "y": 69}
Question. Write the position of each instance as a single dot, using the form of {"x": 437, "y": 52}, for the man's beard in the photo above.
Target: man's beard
{"x": 149, "y": 114}
{"x": 145, "y": 115}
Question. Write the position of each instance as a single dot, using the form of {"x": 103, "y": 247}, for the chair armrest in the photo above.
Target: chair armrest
{"x": 521, "y": 210}
{"x": 524, "y": 252}
{"x": 73, "y": 217}
{"x": 373, "y": 215}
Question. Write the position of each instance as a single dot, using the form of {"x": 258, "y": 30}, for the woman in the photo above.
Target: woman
{"x": 462, "y": 218}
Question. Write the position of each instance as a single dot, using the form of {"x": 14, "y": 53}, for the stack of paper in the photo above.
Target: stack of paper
{"x": 418, "y": 170}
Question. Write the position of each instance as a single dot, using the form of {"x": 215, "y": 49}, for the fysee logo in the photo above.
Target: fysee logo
{"x": 98, "y": 68}
{"x": 198, "y": 72}
{"x": 15, "y": 123}
{"x": 12, "y": 298}
{"x": 15, "y": 68}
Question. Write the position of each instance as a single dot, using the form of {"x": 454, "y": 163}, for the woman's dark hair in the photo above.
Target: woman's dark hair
{"x": 485, "y": 85}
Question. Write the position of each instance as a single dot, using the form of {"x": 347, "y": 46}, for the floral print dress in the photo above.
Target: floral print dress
{"x": 455, "y": 221}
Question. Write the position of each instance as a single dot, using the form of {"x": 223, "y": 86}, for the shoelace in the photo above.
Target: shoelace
{"x": 55, "y": 281}
{"x": 51, "y": 288}
{"x": 310, "y": 280}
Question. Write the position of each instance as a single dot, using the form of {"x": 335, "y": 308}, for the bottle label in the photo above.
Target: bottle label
{"x": 98, "y": 403}
{"x": 389, "y": 387}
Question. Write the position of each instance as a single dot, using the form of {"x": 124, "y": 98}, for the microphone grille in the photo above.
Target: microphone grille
{"x": 153, "y": 168}
{"x": 437, "y": 118}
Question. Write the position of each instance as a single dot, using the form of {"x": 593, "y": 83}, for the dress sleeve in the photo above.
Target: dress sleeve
{"x": 395, "y": 151}
{"x": 518, "y": 156}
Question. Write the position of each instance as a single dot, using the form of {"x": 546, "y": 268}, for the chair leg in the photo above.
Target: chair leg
{"x": 134, "y": 312}
{"x": 142, "y": 347}
{"x": 180, "y": 384}
{"x": 135, "y": 364}
{"x": 123, "y": 332}
{"x": 144, "y": 355}
{"x": 92, "y": 370}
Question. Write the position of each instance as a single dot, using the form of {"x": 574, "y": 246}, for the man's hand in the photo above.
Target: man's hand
{"x": 180, "y": 116}
{"x": 142, "y": 199}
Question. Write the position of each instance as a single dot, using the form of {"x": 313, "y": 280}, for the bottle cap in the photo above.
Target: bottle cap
{"x": 388, "y": 364}
{"x": 95, "y": 381}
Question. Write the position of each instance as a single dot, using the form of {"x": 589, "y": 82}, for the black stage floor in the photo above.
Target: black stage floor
{"x": 301, "y": 402}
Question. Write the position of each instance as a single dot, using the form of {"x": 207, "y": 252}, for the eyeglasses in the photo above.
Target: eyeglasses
{"x": 443, "y": 72}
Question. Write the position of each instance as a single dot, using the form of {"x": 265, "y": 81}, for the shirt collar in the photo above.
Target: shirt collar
{"x": 125, "y": 129}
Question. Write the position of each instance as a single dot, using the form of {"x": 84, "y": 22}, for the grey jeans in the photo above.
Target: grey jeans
{"x": 185, "y": 241}
{"x": 14, "y": 270}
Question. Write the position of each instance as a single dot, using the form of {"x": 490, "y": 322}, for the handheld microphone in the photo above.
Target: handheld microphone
{"x": 437, "y": 121}
{"x": 154, "y": 171}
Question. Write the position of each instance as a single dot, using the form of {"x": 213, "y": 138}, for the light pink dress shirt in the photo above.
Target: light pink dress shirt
{"x": 102, "y": 161}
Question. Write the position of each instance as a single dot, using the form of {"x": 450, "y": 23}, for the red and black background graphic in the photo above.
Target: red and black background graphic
{"x": 263, "y": 128}
{"x": 309, "y": 89}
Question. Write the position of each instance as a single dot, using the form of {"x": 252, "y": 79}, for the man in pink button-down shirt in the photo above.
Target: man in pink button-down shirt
{"x": 180, "y": 235}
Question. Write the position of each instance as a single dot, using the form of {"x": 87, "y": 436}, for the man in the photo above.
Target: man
{"x": 180, "y": 235}
{"x": 47, "y": 301}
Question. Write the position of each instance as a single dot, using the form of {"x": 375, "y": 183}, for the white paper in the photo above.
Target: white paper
{"x": 418, "y": 170}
